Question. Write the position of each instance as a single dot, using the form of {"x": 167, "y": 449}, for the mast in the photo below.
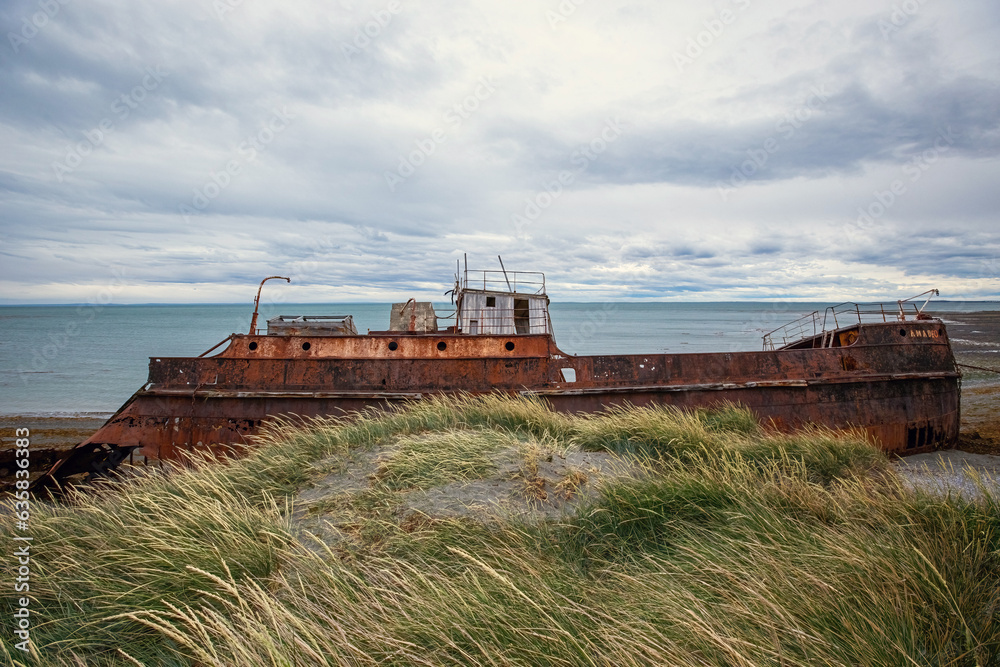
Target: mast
{"x": 256, "y": 302}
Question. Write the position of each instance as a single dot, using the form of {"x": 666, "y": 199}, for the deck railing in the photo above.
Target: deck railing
{"x": 504, "y": 321}
{"x": 520, "y": 282}
{"x": 804, "y": 327}
{"x": 497, "y": 321}
{"x": 845, "y": 315}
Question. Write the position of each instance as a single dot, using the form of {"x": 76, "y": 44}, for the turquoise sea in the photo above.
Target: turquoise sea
{"x": 88, "y": 360}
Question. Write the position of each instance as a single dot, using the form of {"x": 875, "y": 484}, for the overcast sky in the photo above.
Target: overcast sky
{"x": 181, "y": 150}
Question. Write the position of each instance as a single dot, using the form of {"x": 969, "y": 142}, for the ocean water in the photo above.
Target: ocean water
{"x": 88, "y": 360}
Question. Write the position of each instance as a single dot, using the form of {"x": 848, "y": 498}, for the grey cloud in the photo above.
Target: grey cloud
{"x": 316, "y": 200}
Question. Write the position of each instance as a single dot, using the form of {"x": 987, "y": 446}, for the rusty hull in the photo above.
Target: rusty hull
{"x": 897, "y": 381}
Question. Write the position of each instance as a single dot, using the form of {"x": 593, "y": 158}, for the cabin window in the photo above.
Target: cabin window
{"x": 522, "y": 317}
{"x": 491, "y": 302}
{"x": 568, "y": 374}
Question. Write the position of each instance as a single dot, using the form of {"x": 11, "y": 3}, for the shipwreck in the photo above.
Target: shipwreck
{"x": 887, "y": 369}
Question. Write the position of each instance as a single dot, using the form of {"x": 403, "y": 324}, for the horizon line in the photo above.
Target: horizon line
{"x": 364, "y": 303}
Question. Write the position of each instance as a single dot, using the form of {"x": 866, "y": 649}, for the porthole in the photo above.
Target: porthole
{"x": 902, "y": 332}
{"x": 393, "y": 346}
{"x": 509, "y": 346}
{"x": 442, "y": 346}
{"x": 306, "y": 346}
{"x": 253, "y": 346}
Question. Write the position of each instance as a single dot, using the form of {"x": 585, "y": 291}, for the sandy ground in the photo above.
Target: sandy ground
{"x": 548, "y": 488}
{"x": 975, "y": 463}
{"x": 975, "y": 339}
{"x": 49, "y": 437}
{"x": 954, "y": 471}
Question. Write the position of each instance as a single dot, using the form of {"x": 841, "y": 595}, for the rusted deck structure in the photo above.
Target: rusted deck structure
{"x": 889, "y": 371}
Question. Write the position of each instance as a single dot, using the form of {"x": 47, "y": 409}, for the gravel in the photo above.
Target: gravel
{"x": 952, "y": 471}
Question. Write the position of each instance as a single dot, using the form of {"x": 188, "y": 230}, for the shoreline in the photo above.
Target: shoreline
{"x": 975, "y": 340}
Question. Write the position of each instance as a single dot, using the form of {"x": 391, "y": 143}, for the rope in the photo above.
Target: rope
{"x": 979, "y": 368}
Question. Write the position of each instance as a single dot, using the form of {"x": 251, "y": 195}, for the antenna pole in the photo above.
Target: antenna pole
{"x": 505, "y": 273}
{"x": 256, "y": 302}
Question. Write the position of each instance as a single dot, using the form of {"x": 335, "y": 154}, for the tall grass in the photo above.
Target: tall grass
{"x": 432, "y": 459}
{"x": 723, "y": 545}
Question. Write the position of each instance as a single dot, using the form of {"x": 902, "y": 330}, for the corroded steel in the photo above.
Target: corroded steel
{"x": 379, "y": 345}
{"x": 895, "y": 380}
{"x": 256, "y": 301}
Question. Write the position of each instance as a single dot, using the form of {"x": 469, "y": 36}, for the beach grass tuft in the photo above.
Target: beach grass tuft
{"x": 715, "y": 542}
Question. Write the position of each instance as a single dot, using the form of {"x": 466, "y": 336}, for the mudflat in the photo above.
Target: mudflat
{"x": 975, "y": 339}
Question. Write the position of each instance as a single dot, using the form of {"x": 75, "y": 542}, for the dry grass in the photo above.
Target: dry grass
{"x": 724, "y": 546}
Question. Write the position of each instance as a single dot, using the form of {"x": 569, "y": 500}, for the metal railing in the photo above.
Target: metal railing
{"x": 503, "y": 321}
{"x": 494, "y": 321}
{"x": 848, "y": 314}
{"x": 845, "y": 315}
{"x": 804, "y": 327}
{"x": 520, "y": 282}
